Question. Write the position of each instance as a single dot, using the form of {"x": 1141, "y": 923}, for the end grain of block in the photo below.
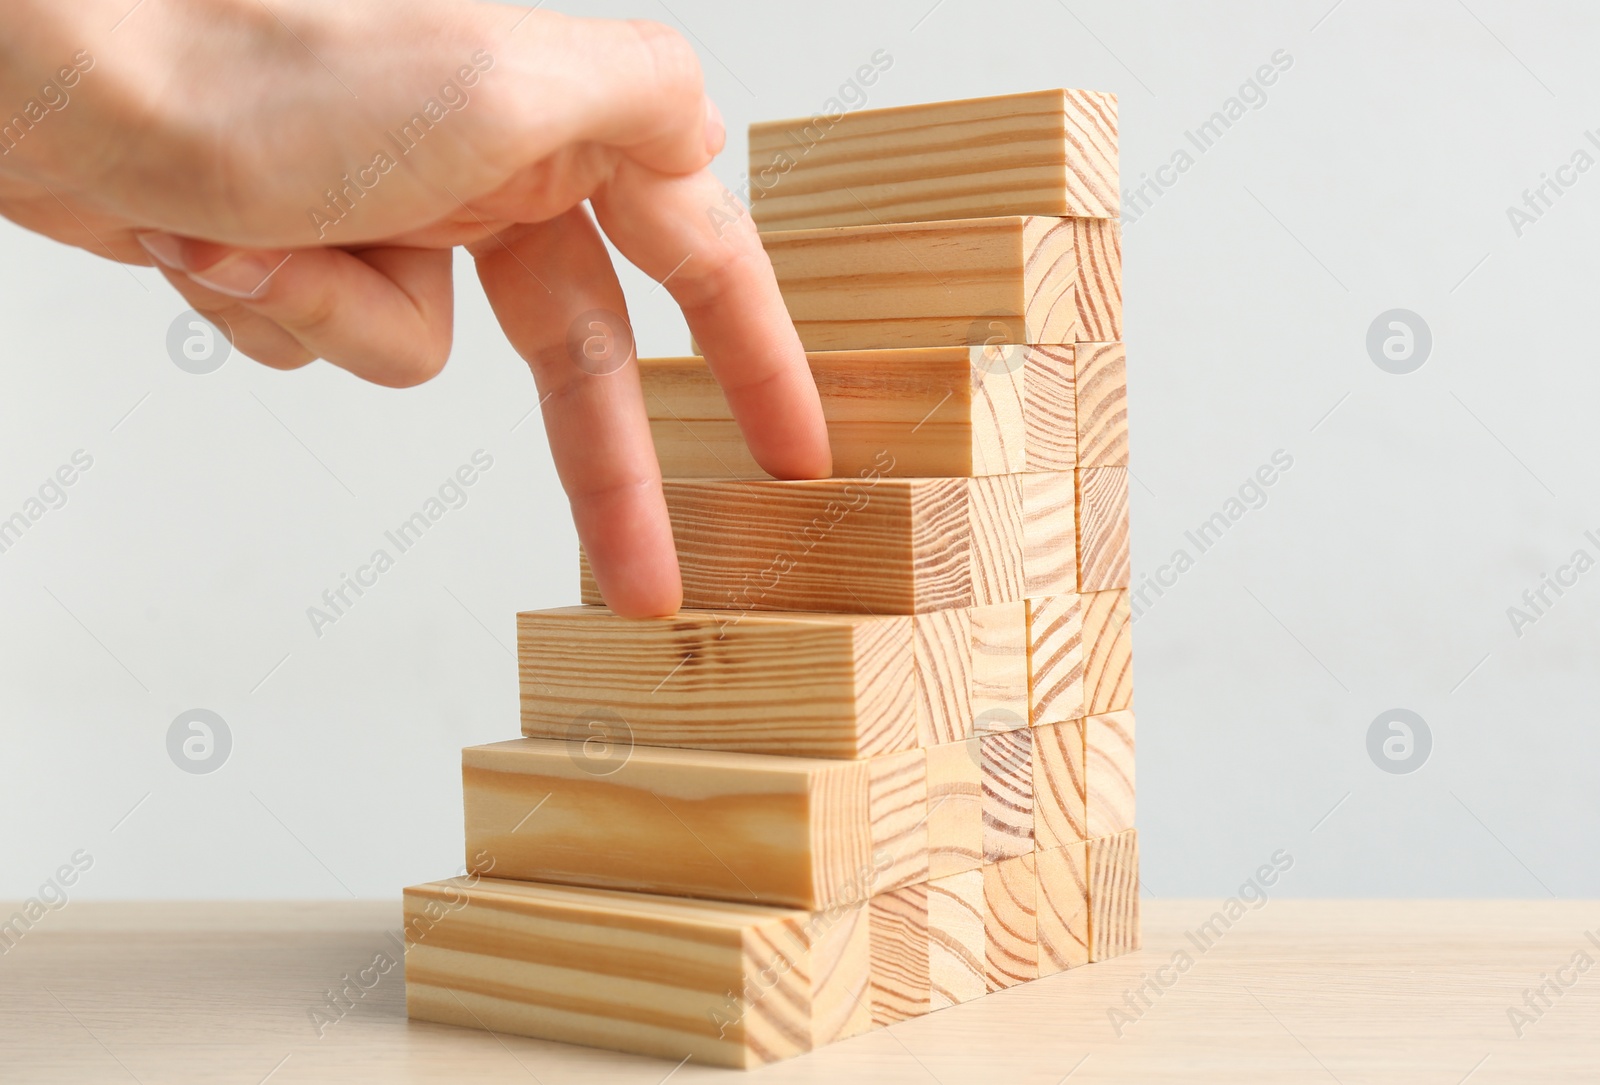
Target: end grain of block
{"x": 1107, "y": 652}
{"x": 1050, "y": 410}
{"x": 1058, "y": 784}
{"x": 1006, "y": 761}
{"x": 957, "y": 946}
{"x": 1055, "y": 658}
{"x": 901, "y": 986}
{"x": 1103, "y": 555}
{"x": 955, "y": 808}
{"x": 1063, "y": 908}
{"x": 1097, "y": 247}
{"x": 898, "y": 797}
{"x": 999, "y": 667}
{"x": 1011, "y": 934}
{"x": 1049, "y": 533}
{"x": 1108, "y": 772}
{"x": 1101, "y": 404}
{"x": 943, "y": 652}
{"x": 1113, "y": 895}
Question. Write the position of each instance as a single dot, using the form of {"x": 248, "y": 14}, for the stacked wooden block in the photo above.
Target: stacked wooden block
{"x": 882, "y": 763}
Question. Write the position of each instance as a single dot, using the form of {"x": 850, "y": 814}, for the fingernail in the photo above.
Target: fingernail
{"x": 716, "y": 131}
{"x": 240, "y": 275}
{"x": 164, "y": 248}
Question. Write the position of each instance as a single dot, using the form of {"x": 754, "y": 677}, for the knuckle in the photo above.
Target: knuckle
{"x": 671, "y": 57}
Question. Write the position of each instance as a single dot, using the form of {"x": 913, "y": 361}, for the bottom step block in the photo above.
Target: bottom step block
{"x": 742, "y": 985}
{"x": 724, "y": 984}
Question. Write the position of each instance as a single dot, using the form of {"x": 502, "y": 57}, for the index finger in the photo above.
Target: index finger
{"x": 689, "y": 233}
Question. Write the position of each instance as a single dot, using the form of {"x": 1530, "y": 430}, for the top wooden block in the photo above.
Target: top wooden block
{"x": 1049, "y": 152}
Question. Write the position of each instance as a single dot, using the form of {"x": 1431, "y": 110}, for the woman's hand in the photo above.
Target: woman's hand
{"x": 299, "y": 171}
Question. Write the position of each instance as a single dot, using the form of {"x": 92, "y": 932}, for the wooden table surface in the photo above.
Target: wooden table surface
{"x": 1297, "y": 991}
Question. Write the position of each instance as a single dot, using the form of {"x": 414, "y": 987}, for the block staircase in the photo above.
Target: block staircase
{"x": 882, "y": 762}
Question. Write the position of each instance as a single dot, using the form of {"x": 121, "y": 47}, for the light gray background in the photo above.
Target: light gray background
{"x": 1376, "y": 176}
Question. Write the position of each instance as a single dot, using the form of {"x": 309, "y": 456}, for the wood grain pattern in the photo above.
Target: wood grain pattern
{"x": 1107, "y": 652}
{"x": 1006, "y": 762}
{"x": 730, "y": 826}
{"x": 955, "y": 808}
{"x": 839, "y": 970}
{"x": 1097, "y": 247}
{"x": 1050, "y": 408}
{"x": 806, "y": 684}
{"x": 901, "y": 984}
{"x": 1108, "y": 771}
{"x": 957, "y": 945}
{"x": 1058, "y": 784}
{"x": 1063, "y": 908}
{"x": 1050, "y": 152}
{"x": 1101, "y": 404}
{"x": 1010, "y": 922}
{"x": 1103, "y": 553}
{"x": 944, "y": 675}
{"x": 898, "y": 803}
{"x": 1010, "y": 280}
{"x": 1113, "y": 895}
{"x": 725, "y": 984}
{"x": 999, "y": 667}
{"x": 1049, "y": 533}
{"x": 939, "y": 412}
{"x": 866, "y": 546}
{"x": 996, "y": 519}
{"x": 1055, "y": 658}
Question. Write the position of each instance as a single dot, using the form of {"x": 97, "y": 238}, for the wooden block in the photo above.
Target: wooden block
{"x": 864, "y": 546}
{"x": 944, "y": 675}
{"x": 1101, "y": 405}
{"x": 808, "y": 684}
{"x": 999, "y": 667}
{"x": 930, "y": 284}
{"x": 732, "y": 826}
{"x": 1058, "y": 784}
{"x": 1006, "y": 762}
{"x": 839, "y": 966}
{"x": 1011, "y": 936}
{"x": 957, "y": 945}
{"x": 1103, "y": 557}
{"x": 999, "y": 538}
{"x": 901, "y": 985}
{"x": 1108, "y": 773}
{"x": 940, "y": 412}
{"x": 1107, "y": 652}
{"x": 1049, "y": 534}
{"x": 1063, "y": 908}
{"x": 1055, "y": 658}
{"x": 1049, "y": 152}
{"x": 955, "y": 808}
{"x": 898, "y": 803}
{"x": 724, "y": 984}
{"x": 1113, "y": 895}
{"x": 1097, "y": 249}
{"x": 1050, "y": 408}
